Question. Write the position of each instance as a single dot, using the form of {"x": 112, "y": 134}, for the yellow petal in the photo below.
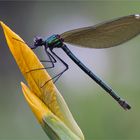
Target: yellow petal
{"x": 37, "y": 106}
{"x": 51, "y": 124}
{"x": 27, "y": 60}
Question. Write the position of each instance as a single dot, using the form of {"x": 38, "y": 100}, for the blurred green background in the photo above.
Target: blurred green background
{"x": 97, "y": 114}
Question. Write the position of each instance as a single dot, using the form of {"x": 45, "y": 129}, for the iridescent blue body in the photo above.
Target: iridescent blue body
{"x": 55, "y": 41}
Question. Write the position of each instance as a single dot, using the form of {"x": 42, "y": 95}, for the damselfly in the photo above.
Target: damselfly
{"x": 104, "y": 35}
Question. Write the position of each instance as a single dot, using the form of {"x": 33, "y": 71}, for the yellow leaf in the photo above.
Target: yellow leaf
{"x": 38, "y": 107}
{"x": 28, "y": 63}
{"x": 51, "y": 124}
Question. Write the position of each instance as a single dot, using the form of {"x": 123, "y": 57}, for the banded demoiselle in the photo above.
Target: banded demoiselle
{"x": 104, "y": 35}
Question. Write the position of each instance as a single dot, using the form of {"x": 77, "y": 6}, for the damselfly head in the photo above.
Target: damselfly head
{"x": 38, "y": 41}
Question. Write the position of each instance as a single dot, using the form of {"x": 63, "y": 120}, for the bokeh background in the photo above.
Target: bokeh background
{"x": 97, "y": 114}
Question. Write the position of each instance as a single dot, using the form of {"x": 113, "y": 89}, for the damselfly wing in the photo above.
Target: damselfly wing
{"x": 105, "y": 35}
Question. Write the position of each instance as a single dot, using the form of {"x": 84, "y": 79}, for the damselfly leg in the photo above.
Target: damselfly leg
{"x": 58, "y": 75}
{"x": 51, "y": 60}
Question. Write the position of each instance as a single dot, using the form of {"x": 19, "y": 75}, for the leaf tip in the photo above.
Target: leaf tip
{"x": 2, "y": 24}
{"x": 22, "y": 84}
{"x": 0, "y": 21}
